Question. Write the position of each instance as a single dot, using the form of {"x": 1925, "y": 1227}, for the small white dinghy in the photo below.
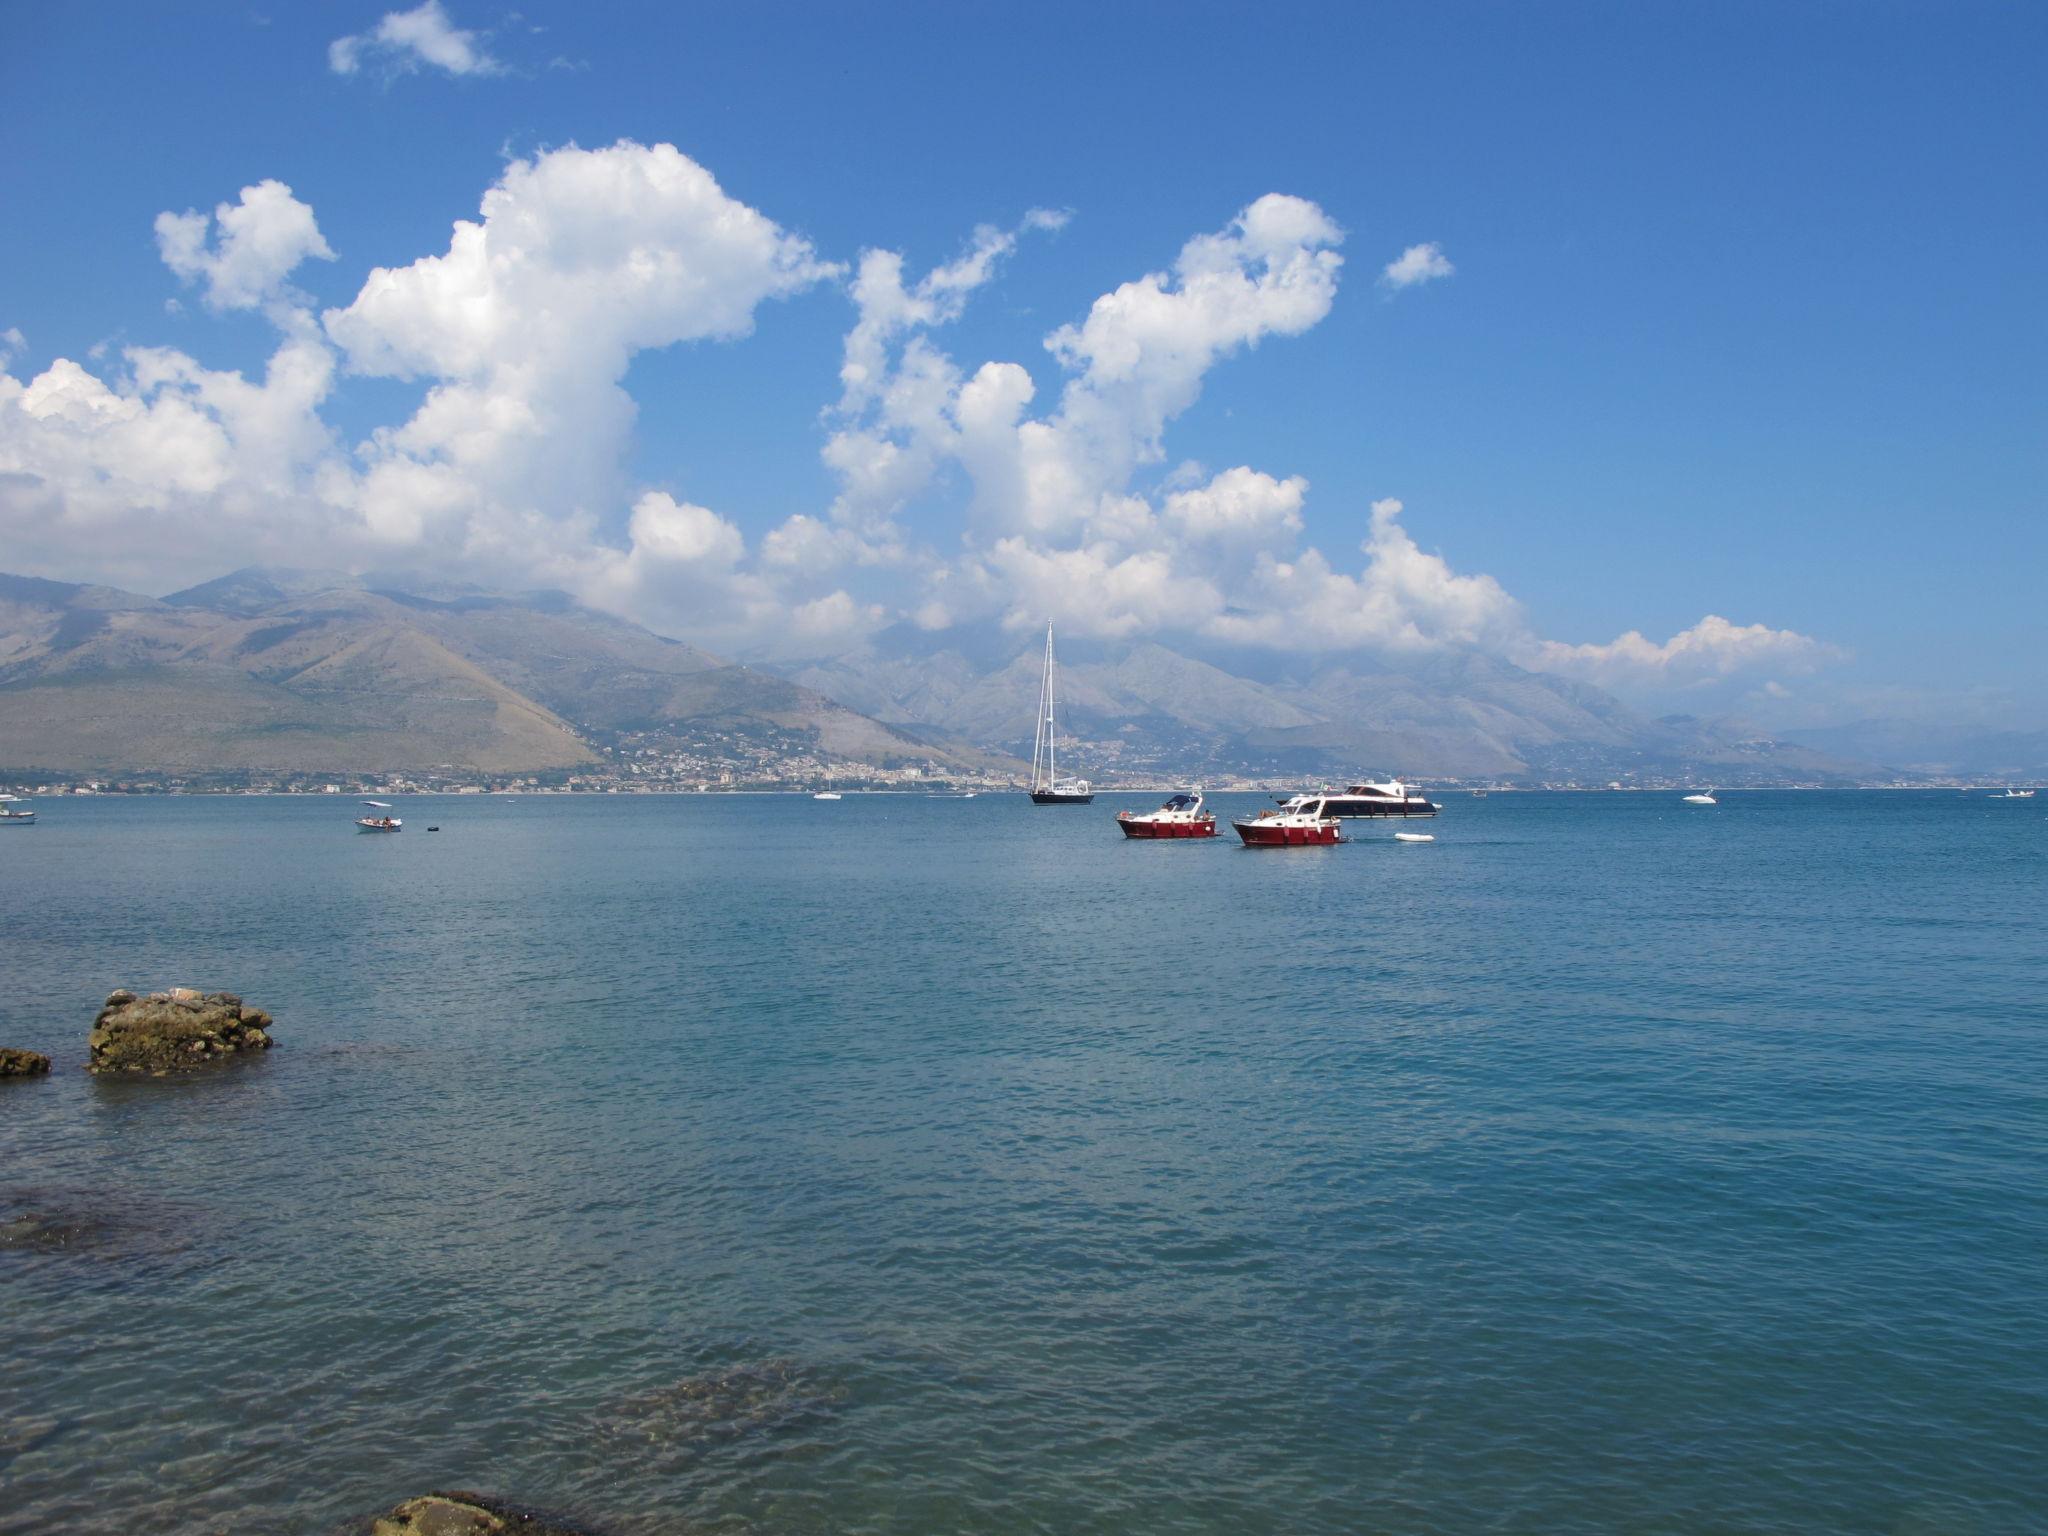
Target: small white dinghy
{"x": 384, "y": 823}
{"x": 1414, "y": 837}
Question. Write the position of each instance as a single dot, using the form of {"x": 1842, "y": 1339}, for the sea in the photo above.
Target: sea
{"x": 755, "y": 1164}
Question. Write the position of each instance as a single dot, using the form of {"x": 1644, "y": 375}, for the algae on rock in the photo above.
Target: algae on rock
{"x": 175, "y": 1031}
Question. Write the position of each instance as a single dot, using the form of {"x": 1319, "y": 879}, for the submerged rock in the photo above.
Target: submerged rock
{"x": 758, "y": 1397}
{"x": 15, "y": 1063}
{"x": 470, "y": 1514}
{"x": 37, "y": 1226}
{"x": 174, "y": 1031}
{"x": 119, "y": 1225}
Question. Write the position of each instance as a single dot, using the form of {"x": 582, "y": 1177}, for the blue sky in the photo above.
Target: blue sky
{"x": 1746, "y": 318}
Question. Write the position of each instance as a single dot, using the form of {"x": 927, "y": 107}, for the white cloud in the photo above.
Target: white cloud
{"x": 1417, "y": 264}
{"x": 404, "y": 41}
{"x": 512, "y": 467}
{"x": 1404, "y": 599}
{"x": 1098, "y": 590}
{"x": 526, "y": 326}
{"x": 244, "y": 253}
{"x": 670, "y": 532}
{"x": 1057, "y": 487}
{"x": 1239, "y": 505}
{"x": 1710, "y": 650}
{"x": 513, "y": 460}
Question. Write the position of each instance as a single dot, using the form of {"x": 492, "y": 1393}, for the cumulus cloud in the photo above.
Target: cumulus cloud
{"x": 1710, "y": 650}
{"x": 513, "y": 460}
{"x": 1417, "y": 264}
{"x": 512, "y": 464}
{"x": 526, "y": 325}
{"x": 1404, "y": 599}
{"x": 1240, "y": 505}
{"x": 406, "y": 41}
{"x": 245, "y": 251}
{"x": 1051, "y": 493}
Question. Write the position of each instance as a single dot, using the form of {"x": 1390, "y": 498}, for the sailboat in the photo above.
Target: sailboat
{"x": 1047, "y": 787}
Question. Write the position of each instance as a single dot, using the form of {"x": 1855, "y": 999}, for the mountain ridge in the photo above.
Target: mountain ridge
{"x": 271, "y": 671}
{"x": 1144, "y": 706}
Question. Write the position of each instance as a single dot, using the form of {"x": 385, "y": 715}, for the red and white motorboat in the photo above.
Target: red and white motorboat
{"x": 1181, "y": 816}
{"x": 1308, "y": 825}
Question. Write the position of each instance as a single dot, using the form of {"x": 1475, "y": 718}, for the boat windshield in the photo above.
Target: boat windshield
{"x": 1181, "y": 803}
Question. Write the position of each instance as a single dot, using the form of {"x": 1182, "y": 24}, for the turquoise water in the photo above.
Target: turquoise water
{"x": 763, "y": 1165}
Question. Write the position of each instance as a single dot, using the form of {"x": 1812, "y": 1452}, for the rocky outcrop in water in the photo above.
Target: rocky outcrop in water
{"x": 175, "y": 1031}
{"x": 22, "y": 1063}
{"x": 470, "y": 1514}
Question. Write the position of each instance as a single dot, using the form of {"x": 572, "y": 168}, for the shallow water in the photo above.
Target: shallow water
{"x": 760, "y": 1164}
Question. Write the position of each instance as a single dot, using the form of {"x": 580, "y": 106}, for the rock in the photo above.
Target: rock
{"x": 471, "y": 1514}
{"x": 23, "y": 1063}
{"x": 180, "y": 1030}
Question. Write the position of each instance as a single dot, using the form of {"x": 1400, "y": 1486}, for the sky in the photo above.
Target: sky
{"x": 1692, "y": 351}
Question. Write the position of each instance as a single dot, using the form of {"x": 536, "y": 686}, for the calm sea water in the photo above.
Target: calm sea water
{"x": 763, "y": 1165}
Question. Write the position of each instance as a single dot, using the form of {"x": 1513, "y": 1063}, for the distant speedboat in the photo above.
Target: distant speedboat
{"x": 384, "y": 823}
{"x": 10, "y": 817}
{"x": 1414, "y": 837}
{"x": 2010, "y": 794}
{"x": 1181, "y": 816}
{"x": 1310, "y": 825}
{"x": 1702, "y": 799}
{"x": 1047, "y": 787}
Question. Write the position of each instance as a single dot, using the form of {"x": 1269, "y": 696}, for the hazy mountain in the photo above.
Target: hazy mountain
{"x": 282, "y": 671}
{"x": 1917, "y": 748}
{"x": 1143, "y": 705}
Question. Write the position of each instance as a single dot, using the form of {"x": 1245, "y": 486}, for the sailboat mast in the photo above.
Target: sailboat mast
{"x": 1038, "y": 725}
{"x": 1052, "y": 747}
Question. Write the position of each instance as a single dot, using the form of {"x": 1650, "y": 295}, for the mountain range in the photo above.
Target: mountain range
{"x": 280, "y": 672}
{"x": 286, "y": 672}
{"x": 1142, "y": 706}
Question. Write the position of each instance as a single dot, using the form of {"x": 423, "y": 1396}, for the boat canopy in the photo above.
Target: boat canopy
{"x": 1180, "y": 803}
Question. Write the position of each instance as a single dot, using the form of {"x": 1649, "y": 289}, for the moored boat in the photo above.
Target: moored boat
{"x": 12, "y": 817}
{"x": 1389, "y": 797}
{"x": 1308, "y": 826}
{"x": 1047, "y": 787}
{"x": 1181, "y": 816}
{"x": 384, "y": 823}
{"x": 1702, "y": 799}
